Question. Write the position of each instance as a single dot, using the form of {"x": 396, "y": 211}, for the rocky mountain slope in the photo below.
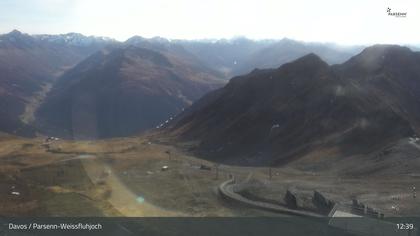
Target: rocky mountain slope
{"x": 27, "y": 65}
{"x": 274, "y": 116}
{"x": 122, "y": 91}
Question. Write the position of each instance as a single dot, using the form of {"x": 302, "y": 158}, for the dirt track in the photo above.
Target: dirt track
{"x": 121, "y": 198}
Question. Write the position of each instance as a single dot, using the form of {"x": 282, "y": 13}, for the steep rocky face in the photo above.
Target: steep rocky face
{"x": 274, "y": 116}
{"x": 120, "y": 92}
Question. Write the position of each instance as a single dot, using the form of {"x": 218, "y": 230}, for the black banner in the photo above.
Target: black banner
{"x": 200, "y": 226}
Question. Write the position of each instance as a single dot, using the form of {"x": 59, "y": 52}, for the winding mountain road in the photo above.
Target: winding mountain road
{"x": 226, "y": 189}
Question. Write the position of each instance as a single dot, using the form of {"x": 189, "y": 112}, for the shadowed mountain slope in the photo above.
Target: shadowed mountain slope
{"x": 274, "y": 116}
{"x": 120, "y": 92}
{"x": 27, "y": 65}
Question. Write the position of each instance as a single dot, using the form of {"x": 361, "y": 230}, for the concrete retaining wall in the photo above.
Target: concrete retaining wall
{"x": 226, "y": 190}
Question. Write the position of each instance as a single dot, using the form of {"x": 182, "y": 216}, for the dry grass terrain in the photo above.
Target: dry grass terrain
{"x": 124, "y": 177}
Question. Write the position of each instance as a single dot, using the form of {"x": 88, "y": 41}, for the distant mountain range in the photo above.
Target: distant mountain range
{"x": 78, "y": 86}
{"x": 241, "y": 55}
{"x": 273, "y": 116}
{"x": 74, "y": 39}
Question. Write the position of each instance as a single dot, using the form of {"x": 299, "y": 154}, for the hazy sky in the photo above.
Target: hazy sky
{"x": 345, "y": 22}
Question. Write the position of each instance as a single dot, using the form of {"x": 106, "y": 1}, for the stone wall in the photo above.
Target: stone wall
{"x": 362, "y": 209}
{"x": 321, "y": 202}
{"x": 291, "y": 200}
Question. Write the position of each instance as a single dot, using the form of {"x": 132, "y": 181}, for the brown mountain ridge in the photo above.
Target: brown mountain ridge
{"x": 121, "y": 91}
{"x": 274, "y": 116}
